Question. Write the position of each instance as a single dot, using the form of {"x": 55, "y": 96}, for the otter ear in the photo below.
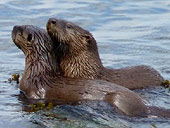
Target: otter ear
{"x": 87, "y": 37}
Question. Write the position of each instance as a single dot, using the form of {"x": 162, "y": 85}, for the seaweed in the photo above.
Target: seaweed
{"x": 41, "y": 106}
{"x": 15, "y": 77}
{"x": 166, "y": 84}
{"x": 50, "y": 105}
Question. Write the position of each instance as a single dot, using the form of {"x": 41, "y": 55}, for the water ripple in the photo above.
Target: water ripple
{"x": 128, "y": 32}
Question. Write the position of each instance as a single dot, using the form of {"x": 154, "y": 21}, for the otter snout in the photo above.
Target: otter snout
{"x": 52, "y": 26}
{"x": 52, "y": 21}
{"x": 14, "y": 32}
{"x": 16, "y": 29}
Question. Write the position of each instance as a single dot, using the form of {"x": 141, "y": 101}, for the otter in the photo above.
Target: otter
{"x": 41, "y": 79}
{"x": 78, "y": 57}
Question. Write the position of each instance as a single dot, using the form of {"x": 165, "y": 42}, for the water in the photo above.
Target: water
{"x": 128, "y": 32}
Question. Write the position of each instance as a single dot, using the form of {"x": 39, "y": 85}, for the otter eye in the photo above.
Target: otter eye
{"x": 87, "y": 37}
{"x": 69, "y": 26}
{"x": 29, "y": 38}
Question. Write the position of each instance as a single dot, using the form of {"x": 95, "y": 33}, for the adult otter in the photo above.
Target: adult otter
{"x": 79, "y": 58}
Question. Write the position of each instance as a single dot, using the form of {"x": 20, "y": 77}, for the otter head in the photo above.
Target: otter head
{"x": 76, "y": 48}
{"x": 70, "y": 38}
{"x": 37, "y": 47}
{"x": 33, "y": 41}
{"x": 40, "y": 64}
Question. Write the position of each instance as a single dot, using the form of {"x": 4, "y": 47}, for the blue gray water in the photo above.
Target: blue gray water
{"x": 128, "y": 32}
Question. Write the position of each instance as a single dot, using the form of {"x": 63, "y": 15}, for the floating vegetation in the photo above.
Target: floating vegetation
{"x": 33, "y": 107}
{"x": 15, "y": 77}
{"x": 50, "y": 105}
{"x": 41, "y": 106}
{"x": 166, "y": 84}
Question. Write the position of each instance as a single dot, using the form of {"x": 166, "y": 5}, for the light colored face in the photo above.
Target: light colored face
{"x": 31, "y": 39}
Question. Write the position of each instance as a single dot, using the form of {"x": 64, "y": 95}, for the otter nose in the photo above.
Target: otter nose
{"x": 17, "y": 29}
{"x": 53, "y": 20}
{"x": 14, "y": 32}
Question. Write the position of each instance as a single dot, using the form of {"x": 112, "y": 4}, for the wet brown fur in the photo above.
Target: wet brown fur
{"x": 42, "y": 81}
{"x": 78, "y": 57}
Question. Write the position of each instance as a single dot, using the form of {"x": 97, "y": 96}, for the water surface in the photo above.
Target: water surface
{"x": 128, "y": 32}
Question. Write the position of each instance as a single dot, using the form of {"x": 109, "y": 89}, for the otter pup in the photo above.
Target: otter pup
{"x": 78, "y": 57}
